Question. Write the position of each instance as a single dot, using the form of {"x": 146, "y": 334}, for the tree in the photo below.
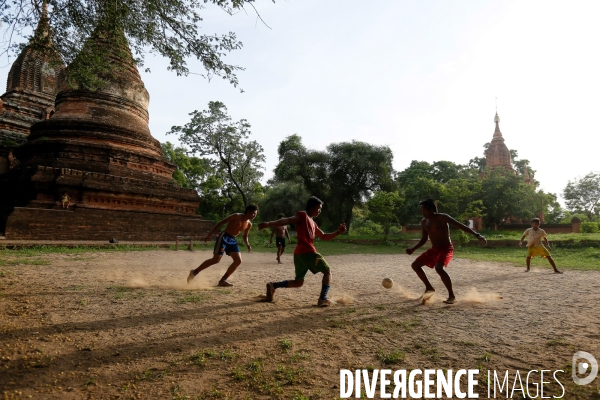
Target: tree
{"x": 505, "y": 196}
{"x": 285, "y": 198}
{"x": 170, "y": 28}
{"x": 355, "y": 169}
{"x": 191, "y": 172}
{"x": 383, "y": 208}
{"x": 211, "y": 132}
{"x": 343, "y": 176}
{"x": 460, "y": 198}
{"x": 301, "y": 165}
{"x": 583, "y": 195}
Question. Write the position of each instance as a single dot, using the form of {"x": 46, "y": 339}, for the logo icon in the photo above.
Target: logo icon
{"x": 582, "y": 367}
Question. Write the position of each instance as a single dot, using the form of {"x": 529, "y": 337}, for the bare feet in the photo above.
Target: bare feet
{"x": 191, "y": 276}
{"x": 427, "y": 295}
{"x": 527, "y": 270}
{"x": 270, "y": 291}
{"x": 224, "y": 284}
{"x": 450, "y": 300}
{"x": 324, "y": 303}
{"x": 557, "y": 271}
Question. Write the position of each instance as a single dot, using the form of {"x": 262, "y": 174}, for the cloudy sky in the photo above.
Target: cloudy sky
{"x": 419, "y": 76}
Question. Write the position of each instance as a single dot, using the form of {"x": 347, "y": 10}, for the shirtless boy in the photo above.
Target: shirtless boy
{"x": 280, "y": 232}
{"x": 534, "y": 236}
{"x": 226, "y": 243}
{"x": 306, "y": 257}
{"x": 435, "y": 227}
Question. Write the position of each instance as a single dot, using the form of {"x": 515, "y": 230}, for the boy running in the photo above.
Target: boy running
{"x": 535, "y": 235}
{"x": 306, "y": 257}
{"x": 280, "y": 233}
{"x": 226, "y": 243}
{"x": 435, "y": 227}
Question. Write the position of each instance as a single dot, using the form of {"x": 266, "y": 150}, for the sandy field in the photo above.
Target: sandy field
{"x": 125, "y": 325}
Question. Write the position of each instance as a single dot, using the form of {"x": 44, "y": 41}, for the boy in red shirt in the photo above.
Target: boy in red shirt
{"x": 306, "y": 257}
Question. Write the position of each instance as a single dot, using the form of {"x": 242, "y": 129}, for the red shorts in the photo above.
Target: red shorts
{"x": 435, "y": 255}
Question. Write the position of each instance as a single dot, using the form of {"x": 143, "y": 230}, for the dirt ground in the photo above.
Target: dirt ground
{"x": 126, "y": 325}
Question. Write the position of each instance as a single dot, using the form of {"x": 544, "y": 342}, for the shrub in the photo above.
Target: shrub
{"x": 590, "y": 227}
{"x": 463, "y": 238}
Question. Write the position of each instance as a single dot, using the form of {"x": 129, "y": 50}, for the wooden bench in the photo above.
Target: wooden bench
{"x": 185, "y": 238}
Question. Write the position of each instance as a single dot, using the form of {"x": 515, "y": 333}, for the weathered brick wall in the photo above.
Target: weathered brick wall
{"x": 92, "y": 224}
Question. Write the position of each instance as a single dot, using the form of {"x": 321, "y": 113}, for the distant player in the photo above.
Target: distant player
{"x": 535, "y": 235}
{"x": 306, "y": 257}
{"x": 280, "y": 232}
{"x": 435, "y": 227}
{"x": 226, "y": 243}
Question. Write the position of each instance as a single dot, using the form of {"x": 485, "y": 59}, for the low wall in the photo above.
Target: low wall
{"x": 93, "y": 224}
{"x": 573, "y": 227}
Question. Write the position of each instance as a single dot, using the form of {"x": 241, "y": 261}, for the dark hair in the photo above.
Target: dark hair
{"x": 429, "y": 204}
{"x": 312, "y": 202}
{"x": 280, "y": 216}
{"x": 536, "y": 220}
{"x": 251, "y": 207}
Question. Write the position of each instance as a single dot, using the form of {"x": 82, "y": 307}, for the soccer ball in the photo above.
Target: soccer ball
{"x": 387, "y": 283}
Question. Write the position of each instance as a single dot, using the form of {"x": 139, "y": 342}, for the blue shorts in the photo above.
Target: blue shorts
{"x": 226, "y": 243}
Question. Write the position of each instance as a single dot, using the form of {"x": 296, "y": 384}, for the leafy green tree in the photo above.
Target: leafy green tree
{"x": 383, "y": 208}
{"x": 412, "y": 193}
{"x": 506, "y": 196}
{"x": 423, "y": 180}
{"x": 583, "y": 195}
{"x": 460, "y": 198}
{"x": 343, "y": 176}
{"x": 191, "y": 172}
{"x": 212, "y": 133}
{"x": 300, "y": 165}
{"x": 170, "y": 28}
{"x": 285, "y": 198}
{"x": 355, "y": 169}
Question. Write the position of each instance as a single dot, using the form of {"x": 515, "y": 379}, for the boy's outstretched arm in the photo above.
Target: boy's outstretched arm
{"x": 424, "y": 237}
{"x": 522, "y": 238}
{"x": 214, "y": 229}
{"x": 246, "y": 232}
{"x": 328, "y": 236}
{"x": 279, "y": 222}
{"x": 463, "y": 227}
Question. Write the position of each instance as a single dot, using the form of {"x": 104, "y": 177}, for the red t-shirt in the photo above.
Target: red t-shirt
{"x": 305, "y": 232}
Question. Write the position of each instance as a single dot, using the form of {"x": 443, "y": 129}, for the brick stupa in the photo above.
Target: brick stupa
{"x": 97, "y": 148}
{"x": 498, "y": 155}
{"x": 31, "y": 88}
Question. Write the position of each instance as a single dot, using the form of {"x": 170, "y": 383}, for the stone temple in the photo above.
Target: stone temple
{"x": 498, "y": 155}
{"x": 96, "y": 147}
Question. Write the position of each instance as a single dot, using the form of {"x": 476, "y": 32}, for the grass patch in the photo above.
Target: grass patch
{"x": 191, "y": 297}
{"x": 285, "y": 344}
{"x": 556, "y": 342}
{"x": 25, "y": 261}
{"x": 582, "y": 258}
{"x": 467, "y": 343}
{"x": 391, "y": 357}
{"x": 410, "y": 324}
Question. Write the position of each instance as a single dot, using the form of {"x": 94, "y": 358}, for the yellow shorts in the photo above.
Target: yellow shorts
{"x": 537, "y": 251}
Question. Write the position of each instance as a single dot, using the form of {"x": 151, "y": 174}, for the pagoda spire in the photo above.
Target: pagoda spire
{"x": 497, "y": 132}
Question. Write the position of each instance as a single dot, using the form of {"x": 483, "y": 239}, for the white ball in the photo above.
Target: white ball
{"x": 387, "y": 283}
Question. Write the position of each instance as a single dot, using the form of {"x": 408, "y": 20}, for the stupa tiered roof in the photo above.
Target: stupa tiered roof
{"x": 97, "y": 148}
